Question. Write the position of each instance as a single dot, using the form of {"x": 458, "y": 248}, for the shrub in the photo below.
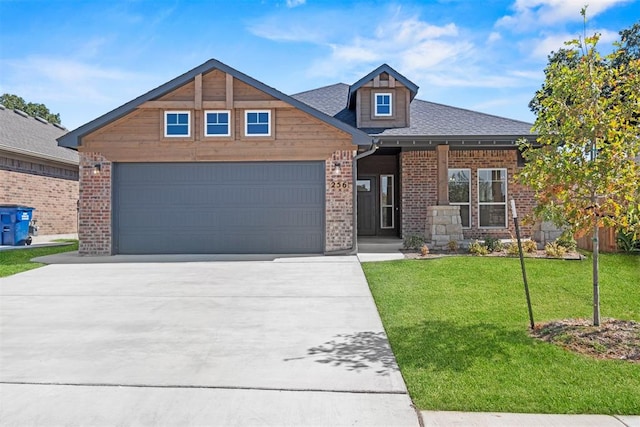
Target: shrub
{"x": 555, "y": 250}
{"x": 567, "y": 241}
{"x": 477, "y": 248}
{"x": 627, "y": 242}
{"x": 424, "y": 250}
{"x": 493, "y": 244}
{"x": 512, "y": 248}
{"x": 414, "y": 241}
{"x": 452, "y": 246}
{"x": 528, "y": 247}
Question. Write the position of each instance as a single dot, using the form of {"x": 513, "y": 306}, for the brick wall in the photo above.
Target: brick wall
{"x": 419, "y": 182}
{"x": 51, "y": 190}
{"x": 419, "y": 189}
{"x": 95, "y": 205}
{"x": 339, "y": 202}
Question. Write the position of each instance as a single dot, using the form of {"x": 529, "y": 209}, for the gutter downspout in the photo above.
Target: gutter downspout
{"x": 353, "y": 250}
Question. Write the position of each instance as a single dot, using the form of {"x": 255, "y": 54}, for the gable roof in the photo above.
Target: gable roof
{"x": 428, "y": 120}
{"x": 384, "y": 68}
{"x": 23, "y": 134}
{"x": 73, "y": 138}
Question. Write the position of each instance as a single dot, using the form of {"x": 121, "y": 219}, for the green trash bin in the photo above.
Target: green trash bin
{"x": 15, "y": 220}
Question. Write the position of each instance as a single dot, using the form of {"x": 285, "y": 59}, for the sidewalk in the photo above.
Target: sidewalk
{"x": 482, "y": 419}
{"x": 42, "y": 241}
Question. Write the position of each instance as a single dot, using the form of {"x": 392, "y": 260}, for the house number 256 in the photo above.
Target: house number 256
{"x": 339, "y": 185}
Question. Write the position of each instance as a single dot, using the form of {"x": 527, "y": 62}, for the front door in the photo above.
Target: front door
{"x": 367, "y": 195}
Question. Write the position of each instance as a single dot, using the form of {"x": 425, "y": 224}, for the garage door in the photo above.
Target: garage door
{"x": 237, "y": 208}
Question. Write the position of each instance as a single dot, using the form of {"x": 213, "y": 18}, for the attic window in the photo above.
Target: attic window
{"x": 177, "y": 123}
{"x": 383, "y": 105}
{"x": 258, "y": 123}
{"x": 217, "y": 123}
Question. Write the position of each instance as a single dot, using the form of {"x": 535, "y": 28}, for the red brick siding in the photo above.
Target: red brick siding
{"x": 95, "y": 205}
{"x": 419, "y": 188}
{"x": 418, "y": 170}
{"x": 339, "y": 202}
{"x": 51, "y": 190}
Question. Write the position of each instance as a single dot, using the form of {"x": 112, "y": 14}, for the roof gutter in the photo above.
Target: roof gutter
{"x": 33, "y": 154}
{"x": 353, "y": 250}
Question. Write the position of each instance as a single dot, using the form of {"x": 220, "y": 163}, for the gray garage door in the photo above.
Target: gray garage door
{"x": 236, "y": 208}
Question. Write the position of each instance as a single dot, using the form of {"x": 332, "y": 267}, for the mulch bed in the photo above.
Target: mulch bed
{"x": 413, "y": 254}
{"x": 613, "y": 339}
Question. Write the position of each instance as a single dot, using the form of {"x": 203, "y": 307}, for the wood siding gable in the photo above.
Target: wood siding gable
{"x": 210, "y": 86}
{"x": 139, "y": 135}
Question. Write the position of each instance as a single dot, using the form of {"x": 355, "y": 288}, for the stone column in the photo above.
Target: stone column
{"x": 443, "y": 225}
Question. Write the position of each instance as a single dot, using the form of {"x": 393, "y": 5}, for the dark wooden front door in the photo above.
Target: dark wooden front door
{"x": 367, "y": 193}
{"x": 379, "y": 194}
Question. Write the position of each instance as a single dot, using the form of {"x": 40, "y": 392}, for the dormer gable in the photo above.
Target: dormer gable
{"x": 382, "y": 99}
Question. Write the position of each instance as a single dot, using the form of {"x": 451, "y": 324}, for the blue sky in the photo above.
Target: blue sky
{"x": 85, "y": 58}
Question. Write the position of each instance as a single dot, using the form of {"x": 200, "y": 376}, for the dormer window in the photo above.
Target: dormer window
{"x": 383, "y": 107}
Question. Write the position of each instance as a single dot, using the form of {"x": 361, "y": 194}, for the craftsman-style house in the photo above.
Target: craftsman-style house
{"x": 215, "y": 161}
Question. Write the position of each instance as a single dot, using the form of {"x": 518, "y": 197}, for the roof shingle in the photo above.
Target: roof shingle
{"x": 428, "y": 119}
{"x": 27, "y": 135}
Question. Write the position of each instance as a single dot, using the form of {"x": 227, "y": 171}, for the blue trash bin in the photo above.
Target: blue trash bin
{"x": 15, "y": 220}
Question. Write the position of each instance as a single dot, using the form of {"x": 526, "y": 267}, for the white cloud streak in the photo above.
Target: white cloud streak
{"x": 532, "y": 14}
{"x": 295, "y": 3}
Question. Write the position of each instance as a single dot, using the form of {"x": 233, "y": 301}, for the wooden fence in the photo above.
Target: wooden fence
{"x": 607, "y": 237}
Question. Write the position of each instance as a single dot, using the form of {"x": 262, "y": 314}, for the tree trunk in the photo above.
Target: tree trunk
{"x": 596, "y": 286}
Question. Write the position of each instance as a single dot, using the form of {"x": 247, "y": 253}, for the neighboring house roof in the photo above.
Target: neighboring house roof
{"x": 384, "y": 68}
{"x": 34, "y": 137}
{"x": 428, "y": 120}
{"x": 72, "y": 139}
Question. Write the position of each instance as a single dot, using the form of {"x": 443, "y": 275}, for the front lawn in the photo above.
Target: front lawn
{"x": 19, "y": 260}
{"x": 458, "y": 328}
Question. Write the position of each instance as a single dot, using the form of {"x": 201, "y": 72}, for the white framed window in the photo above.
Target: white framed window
{"x": 460, "y": 193}
{"x": 492, "y": 198}
{"x": 217, "y": 123}
{"x": 257, "y": 123}
{"x": 383, "y": 104}
{"x": 177, "y": 123}
{"x": 386, "y": 201}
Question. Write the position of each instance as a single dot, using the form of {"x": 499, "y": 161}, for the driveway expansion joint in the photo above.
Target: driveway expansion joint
{"x": 189, "y": 386}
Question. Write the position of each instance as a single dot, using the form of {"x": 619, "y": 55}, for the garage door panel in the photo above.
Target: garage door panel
{"x": 219, "y": 207}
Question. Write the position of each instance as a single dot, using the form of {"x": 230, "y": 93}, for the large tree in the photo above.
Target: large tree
{"x": 584, "y": 173}
{"x": 31, "y": 108}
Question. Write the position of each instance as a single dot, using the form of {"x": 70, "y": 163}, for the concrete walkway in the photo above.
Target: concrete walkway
{"x": 291, "y": 342}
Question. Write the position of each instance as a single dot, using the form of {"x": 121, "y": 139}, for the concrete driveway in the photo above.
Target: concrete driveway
{"x": 290, "y": 342}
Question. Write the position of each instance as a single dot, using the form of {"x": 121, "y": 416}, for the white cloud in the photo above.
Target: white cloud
{"x": 442, "y": 55}
{"x": 541, "y": 47}
{"x": 408, "y": 43}
{"x": 295, "y": 3}
{"x": 531, "y": 14}
{"x": 494, "y": 37}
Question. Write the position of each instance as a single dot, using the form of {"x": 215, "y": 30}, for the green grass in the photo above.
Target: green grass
{"x": 19, "y": 260}
{"x": 458, "y": 328}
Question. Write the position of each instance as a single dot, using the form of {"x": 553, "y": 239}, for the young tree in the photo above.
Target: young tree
{"x": 33, "y": 109}
{"x": 584, "y": 173}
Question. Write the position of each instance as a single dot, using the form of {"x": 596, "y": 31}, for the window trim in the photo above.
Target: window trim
{"x": 217, "y": 135}
{"x": 246, "y": 123}
{"x": 375, "y": 104}
{"x": 506, "y": 198}
{"x": 166, "y": 114}
{"x": 462, "y": 203}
